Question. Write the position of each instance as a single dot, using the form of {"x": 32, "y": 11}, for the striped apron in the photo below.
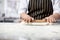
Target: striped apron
{"x": 39, "y": 9}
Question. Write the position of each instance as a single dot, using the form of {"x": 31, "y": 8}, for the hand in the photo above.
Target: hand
{"x": 50, "y": 19}
{"x": 26, "y": 17}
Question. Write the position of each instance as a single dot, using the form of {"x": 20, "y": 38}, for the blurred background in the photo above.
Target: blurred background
{"x": 9, "y": 10}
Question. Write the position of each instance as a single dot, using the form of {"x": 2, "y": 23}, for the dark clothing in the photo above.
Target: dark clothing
{"x": 39, "y": 9}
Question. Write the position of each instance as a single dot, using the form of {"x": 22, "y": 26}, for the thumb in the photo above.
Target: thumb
{"x": 32, "y": 18}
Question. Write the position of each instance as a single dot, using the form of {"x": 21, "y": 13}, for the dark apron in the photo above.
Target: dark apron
{"x": 39, "y": 9}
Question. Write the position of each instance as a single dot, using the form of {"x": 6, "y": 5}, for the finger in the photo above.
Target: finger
{"x": 23, "y": 20}
{"x": 32, "y": 19}
{"x": 26, "y": 20}
{"x": 53, "y": 20}
{"x": 29, "y": 20}
{"x": 49, "y": 20}
{"x": 46, "y": 19}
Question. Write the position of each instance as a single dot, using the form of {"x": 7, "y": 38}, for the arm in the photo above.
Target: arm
{"x": 56, "y": 7}
{"x": 23, "y": 7}
{"x": 56, "y": 12}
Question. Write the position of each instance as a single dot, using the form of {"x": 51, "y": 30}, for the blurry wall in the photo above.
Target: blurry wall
{"x": 9, "y": 7}
{"x": 1, "y": 6}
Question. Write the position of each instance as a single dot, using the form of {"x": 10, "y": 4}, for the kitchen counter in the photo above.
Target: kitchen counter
{"x": 19, "y": 31}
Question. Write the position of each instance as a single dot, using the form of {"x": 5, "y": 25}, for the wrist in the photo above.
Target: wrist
{"x": 56, "y": 16}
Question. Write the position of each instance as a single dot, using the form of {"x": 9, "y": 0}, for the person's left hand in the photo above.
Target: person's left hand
{"x": 50, "y": 19}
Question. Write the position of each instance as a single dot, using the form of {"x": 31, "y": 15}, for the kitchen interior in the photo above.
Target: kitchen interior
{"x": 27, "y": 31}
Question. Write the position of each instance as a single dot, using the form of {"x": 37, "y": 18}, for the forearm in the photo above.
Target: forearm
{"x": 23, "y": 13}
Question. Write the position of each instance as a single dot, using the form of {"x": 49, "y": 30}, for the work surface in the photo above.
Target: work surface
{"x": 19, "y": 31}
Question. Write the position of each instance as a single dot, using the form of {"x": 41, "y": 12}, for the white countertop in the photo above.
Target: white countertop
{"x": 12, "y": 30}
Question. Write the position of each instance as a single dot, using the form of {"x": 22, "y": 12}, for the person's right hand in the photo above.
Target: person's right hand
{"x": 26, "y": 17}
